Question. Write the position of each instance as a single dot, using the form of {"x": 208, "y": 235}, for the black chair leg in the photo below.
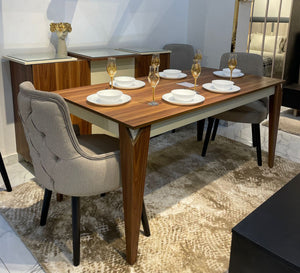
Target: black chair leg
{"x": 258, "y": 144}
{"x": 145, "y": 221}
{"x": 4, "y": 174}
{"x": 207, "y": 136}
{"x": 45, "y": 208}
{"x": 254, "y": 140}
{"x": 216, "y": 125}
{"x": 200, "y": 128}
{"x": 76, "y": 229}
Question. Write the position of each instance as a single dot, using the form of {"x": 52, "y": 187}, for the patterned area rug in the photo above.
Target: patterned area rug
{"x": 288, "y": 122}
{"x": 192, "y": 204}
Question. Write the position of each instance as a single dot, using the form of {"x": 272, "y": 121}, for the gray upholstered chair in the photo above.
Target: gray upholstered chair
{"x": 4, "y": 174}
{"x": 253, "y": 113}
{"x": 181, "y": 57}
{"x": 63, "y": 163}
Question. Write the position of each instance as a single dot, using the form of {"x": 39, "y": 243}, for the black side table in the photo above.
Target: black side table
{"x": 4, "y": 174}
{"x": 291, "y": 96}
{"x": 268, "y": 240}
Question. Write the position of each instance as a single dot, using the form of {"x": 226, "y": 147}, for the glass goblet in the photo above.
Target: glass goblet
{"x": 232, "y": 62}
{"x": 153, "y": 79}
{"x": 155, "y": 60}
{"x": 196, "y": 70}
{"x": 198, "y": 55}
{"x": 111, "y": 68}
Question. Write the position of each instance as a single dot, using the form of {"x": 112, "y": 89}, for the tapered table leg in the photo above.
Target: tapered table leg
{"x": 134, "y": 154}
{"x": 274, "y": 112}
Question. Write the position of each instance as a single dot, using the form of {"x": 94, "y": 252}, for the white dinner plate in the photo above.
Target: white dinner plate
{"x": 209, "y": 86}
{"x": 169, "y": 98}
{"x": 94, "y": 98}
{"x": 180, "y": 76}
{"x": 223, "y": 75}
{"x": 135, "y": 85}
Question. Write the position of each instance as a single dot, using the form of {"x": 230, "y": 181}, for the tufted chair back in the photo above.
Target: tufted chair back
{"x": 70, "y": 165}
{"x": 181, "y": 56}
{"x": 60, "y": 162}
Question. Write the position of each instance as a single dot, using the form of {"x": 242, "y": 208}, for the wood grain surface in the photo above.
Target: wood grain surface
{"x": 56, "y": 76}
{"x": 137, "y": 113}
{"x": 20, "y": 73}
{"x": 142, "y": 63}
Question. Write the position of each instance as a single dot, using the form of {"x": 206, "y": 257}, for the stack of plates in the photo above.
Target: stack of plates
{"x": 124, "y": 82}
{"x": 195, "y": 99}
{"x": 219, "y": 89}
{"x": 104, "y": 100}
{"x": 224, "y": 74}
{"x": 172, "y": 76}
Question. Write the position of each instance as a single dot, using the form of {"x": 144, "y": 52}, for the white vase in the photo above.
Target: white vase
{"x": 61, "y": 44}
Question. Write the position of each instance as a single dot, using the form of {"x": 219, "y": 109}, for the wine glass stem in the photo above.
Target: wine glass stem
{"x": 111, "y": 82}
{"x": 195, "y": 84}
{"x": 230, "y": 74}
{"x": 153, "y": 93}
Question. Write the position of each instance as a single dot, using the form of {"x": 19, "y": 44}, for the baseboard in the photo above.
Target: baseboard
{"x": 12, "y": 159}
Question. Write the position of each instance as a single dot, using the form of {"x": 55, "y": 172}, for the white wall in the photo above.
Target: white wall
{"x": 210, "y": 28}
{"x": 24, "y": 26}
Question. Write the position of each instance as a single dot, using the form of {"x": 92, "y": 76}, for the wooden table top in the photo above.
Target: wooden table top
{"x": 137, "y": 113}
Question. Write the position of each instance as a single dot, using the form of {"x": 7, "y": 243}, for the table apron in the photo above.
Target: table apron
{"x": 175, "y": 122}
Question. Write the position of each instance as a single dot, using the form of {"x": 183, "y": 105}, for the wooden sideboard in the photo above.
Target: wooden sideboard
{"x": 135, "y": 62}
{"x": 47, "y": 77}
{"x": 84, "y": 67}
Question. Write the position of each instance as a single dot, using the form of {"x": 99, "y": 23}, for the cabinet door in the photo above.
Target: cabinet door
{"x": 57, "y": 76}
{"x": 20, "y": 73}
{"x": 142, "y": 63}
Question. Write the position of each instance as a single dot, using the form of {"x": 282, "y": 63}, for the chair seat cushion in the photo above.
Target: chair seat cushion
{"x": 98, "y": 143}
{"x": 254, "y": 112}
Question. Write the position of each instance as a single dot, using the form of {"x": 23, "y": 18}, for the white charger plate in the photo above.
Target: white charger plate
{"x": 209, "y": 86}
{"x": 170, "y": 98}
{"x": 223, "y": 75}
{"x": 135, "y": 85}
{"x": 180, "y": 76}
{"x": 94, "y": 98}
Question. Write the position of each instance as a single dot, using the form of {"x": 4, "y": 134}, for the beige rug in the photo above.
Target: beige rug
{"x": 288, "y": 123}
{"x": 192, "y": 204}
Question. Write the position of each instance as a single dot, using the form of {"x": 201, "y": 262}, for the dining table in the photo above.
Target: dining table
{"x": 135, "y": 122}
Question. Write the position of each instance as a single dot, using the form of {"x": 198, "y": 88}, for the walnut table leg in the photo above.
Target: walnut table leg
{"x": 134, "y": 154}
{"x": 274, "y": 112}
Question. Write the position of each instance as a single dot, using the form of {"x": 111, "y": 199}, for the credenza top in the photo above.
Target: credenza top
{"x": 37, "y": 58}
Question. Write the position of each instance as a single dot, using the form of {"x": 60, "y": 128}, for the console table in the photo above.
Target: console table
{"x": 47, "y": 73}
{"x": 83, "y": 67}
{"x": 130, "y": 62}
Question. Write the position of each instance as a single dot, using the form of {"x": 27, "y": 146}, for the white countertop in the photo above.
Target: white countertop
{"x": 145, "y": 51}
{"x": 99, "y": 52}
{"x": 37, "y": 58}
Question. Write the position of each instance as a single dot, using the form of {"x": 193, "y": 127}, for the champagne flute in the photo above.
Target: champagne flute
{"x": 111, "y": 68}
{"x": 198, "y": 55}
{"x": 155, "y": 61}
{"x": 196, "y": 70}
{"x": 232, "y": 62}
{"x": 153, "y": 79}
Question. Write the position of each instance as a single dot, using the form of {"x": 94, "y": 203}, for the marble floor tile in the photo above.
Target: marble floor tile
{"x": 18, "y": 173}
{"x": 14, "y": 255}
{"x": 3, "y": 268}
